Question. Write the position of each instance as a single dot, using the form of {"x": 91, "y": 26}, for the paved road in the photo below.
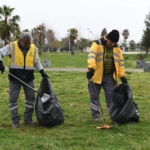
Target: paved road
{"x": 84, "y": 69}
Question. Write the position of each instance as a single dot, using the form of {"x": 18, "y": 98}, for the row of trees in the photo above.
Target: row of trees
{"x": 146, "y": 35}
{"x": 45, "y": 39}
{"x": 125, "y": 35}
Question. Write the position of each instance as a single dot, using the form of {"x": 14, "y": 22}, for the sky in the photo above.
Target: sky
{"x": 89, "y": 17}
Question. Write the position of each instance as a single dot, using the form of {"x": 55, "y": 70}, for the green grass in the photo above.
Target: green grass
{"x": 79, "y": 60}
{"x": 78, "y": 132}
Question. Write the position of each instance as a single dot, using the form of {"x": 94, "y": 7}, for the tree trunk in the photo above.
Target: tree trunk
{"x": 41, "y": 46}
{"x": 72, "y": 50}
{"x": 40, "y": 50}
{"x": 6, "y": 41}
{"x": 146, "y": 50}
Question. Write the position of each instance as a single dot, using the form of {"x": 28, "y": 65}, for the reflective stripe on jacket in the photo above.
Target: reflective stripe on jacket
{"x": 96, "y": 61}
{"x": 18, "y": 60}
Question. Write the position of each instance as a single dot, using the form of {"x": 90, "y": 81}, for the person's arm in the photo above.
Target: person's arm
{"x": 5, "y": 51}
{"x": 39, "y": 66}
{"x": 37, "y": 63}
{"x": 92, "y": 61}
{"x": 92, "y": 56}
{"x": 121, "y": 69}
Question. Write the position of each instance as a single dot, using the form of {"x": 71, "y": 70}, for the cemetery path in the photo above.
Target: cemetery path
{"x": 85, "y": 70}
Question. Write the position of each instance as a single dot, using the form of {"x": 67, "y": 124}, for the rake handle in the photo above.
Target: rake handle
{"x": 99, "y": 102}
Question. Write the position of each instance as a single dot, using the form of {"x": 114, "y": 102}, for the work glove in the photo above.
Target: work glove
{"x": 90, "y": 73}
{"x": 2, "y": 68}
{"x": 43, "y": 74}
{"x": 123, "y": 80}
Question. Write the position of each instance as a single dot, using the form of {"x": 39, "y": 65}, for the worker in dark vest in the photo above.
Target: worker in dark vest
{"x": 23, "y": 58}
{"x": 105, "y": 66}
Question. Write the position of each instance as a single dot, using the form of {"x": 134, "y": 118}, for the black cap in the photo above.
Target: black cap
{"x": 113, "y": 36}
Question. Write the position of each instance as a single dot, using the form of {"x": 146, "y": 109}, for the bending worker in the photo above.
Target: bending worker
{"x": 23, "y": 57}
{"x": 105, "y": 66}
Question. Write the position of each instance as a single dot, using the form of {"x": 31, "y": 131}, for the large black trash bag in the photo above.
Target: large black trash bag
{"x": 49, "y": 113}
{"x": 122, "y": 107}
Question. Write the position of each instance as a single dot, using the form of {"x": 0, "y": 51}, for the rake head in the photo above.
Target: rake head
{"x": 104, "y": 127}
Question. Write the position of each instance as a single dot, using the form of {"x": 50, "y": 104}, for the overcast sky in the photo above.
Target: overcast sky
{"x": 60, "y": 15}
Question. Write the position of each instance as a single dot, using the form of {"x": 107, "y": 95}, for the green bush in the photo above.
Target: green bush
{"x": 140, "y": 56}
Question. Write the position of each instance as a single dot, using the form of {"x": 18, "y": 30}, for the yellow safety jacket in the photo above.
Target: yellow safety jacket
{"x": 18, "y": 60}
{"x": 96, "y": 61}
{"x": 20, "y": 65}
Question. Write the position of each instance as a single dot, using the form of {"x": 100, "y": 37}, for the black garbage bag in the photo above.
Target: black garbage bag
{"x": 122, "y": 107}
{"x": 48, "y": 113}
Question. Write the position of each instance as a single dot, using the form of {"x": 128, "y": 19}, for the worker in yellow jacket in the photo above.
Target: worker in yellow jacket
{"x": 105, "y": 66}
{"x": 23, "y": 58}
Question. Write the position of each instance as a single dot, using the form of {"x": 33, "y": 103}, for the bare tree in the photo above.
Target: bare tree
{"x": 50, "y": 36}
{"x": 65, "y": 43}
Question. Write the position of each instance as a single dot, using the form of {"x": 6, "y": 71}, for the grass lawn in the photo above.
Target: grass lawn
{"x": 78, "y": 132}
{"x": 79, "y": 60}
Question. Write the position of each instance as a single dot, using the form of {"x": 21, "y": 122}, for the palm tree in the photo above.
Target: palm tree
{"x": 104, "y": 32}
{"x": 73, "y": 36}
{"x": 125, "y": 34}
{"x": 39, "y": 35}
{"x": 8, "y": 25}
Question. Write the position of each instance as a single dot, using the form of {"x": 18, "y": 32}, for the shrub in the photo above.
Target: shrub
{"x": 140, "y": 56}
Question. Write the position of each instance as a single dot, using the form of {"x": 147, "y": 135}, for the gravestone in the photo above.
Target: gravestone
{"x": 140, "y": 63}
{"x": 46, "y": 63}
{"x": 147, "y": 67}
